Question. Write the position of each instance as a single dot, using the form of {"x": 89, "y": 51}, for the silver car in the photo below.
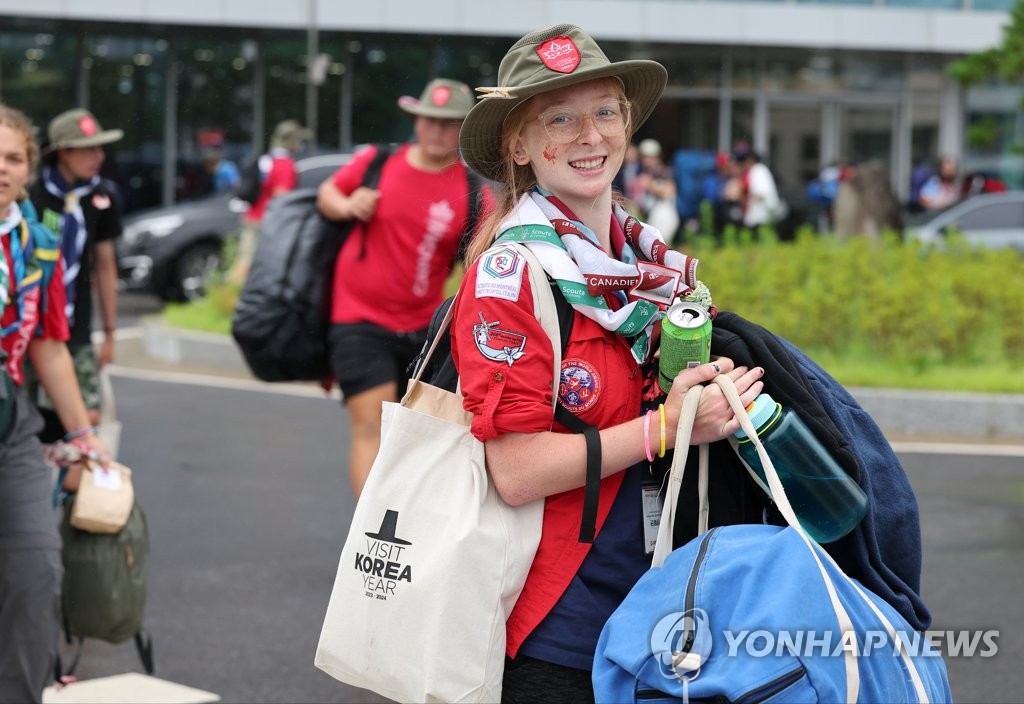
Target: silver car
{"x": 994, "y": 220}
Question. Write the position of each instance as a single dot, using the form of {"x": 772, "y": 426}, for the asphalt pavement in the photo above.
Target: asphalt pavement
{"x": 904, "y": 415}
{"x": 248, "y": 506}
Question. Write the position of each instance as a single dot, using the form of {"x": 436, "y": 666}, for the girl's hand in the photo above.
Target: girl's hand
{"x": 715, "y": 419}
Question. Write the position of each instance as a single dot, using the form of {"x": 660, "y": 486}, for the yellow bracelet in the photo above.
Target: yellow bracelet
{"x": 661, "y": 414}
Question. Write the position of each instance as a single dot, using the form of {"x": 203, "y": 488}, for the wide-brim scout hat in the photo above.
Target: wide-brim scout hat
{"x": 289, "y": 133}
{"x": 551, "y": 58}
{"x": 443, "y": 98}
{"x": 77, "y": 128}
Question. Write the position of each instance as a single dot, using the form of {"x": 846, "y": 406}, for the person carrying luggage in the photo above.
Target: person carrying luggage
{"x": 389, "y": 275}
{"x": 554, "y": 133}
{"x": 34, "y": 323}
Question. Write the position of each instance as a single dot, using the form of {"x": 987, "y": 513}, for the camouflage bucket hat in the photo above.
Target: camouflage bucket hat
{"x": 77, "y": 128}
{"x": 542, "y": 61}
{"x": 443, "y": 98}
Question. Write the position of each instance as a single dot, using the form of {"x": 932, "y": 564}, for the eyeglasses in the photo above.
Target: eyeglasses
{"x": 564, "y": 125}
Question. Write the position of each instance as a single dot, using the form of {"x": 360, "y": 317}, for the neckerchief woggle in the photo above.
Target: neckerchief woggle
{"x": 647, "y": 277}
{"x": 72, "y": 229}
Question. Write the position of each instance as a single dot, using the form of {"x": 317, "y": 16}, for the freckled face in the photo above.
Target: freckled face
{"x": 583, "y": 169}
{"x": 14, "y": 167}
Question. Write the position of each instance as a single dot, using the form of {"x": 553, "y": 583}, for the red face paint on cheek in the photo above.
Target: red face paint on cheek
{"x": 550, "y": 153}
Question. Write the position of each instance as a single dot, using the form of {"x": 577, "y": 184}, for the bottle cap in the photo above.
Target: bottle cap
{"x": 761, "y": 411}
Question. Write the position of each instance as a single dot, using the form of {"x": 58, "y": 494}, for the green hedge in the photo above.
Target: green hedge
{"x": 872, "y": 312}
{"x": 865, "y": 308}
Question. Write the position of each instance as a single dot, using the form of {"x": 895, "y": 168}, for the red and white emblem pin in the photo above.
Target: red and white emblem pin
{"x": 441, "y": 95}
{"x": 87, "y": 125}
{"x": 559, "y": 54}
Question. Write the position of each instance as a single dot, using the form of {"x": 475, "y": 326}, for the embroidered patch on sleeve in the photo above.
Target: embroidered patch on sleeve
{"x": 500, "y": 275}
{"x": 496, "y": 344}
{"x": 579, "y": 386}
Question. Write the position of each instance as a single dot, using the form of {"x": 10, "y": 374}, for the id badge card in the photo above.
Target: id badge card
{"x": 652, "y": 503}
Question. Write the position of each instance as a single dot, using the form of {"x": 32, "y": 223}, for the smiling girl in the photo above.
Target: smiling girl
{"x": 554, "y": 133}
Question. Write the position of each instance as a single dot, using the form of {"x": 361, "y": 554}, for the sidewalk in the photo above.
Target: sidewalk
{"x": 902, "y": 414}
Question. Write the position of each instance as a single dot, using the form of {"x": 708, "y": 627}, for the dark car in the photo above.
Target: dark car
{"x": 172, "y": 251}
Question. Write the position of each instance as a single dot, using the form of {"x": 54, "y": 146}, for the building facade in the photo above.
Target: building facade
{"x": 805, "y": 83}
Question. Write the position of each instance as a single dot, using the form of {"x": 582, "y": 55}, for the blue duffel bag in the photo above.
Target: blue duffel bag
{"x": 757, "y": 613}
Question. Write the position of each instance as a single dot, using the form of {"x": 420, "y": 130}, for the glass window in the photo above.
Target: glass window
{"x": 741, "y": 127}
{"x": 215, "y": 106}
{"x": 840, "y": 2}
{"x": 872, "y": 74}
{"x": 1001, "y": 5}
{"x": 691, "y": 67}
{"x": 867, "y": 135}
{"x": 38, "y": 69}
{"x": 926, "y": 74}
{"x": 992, "y": 216}
{"x": 805, "y": 72}
{"x": 795, "y": 155}
{"x": 126, "y": 91}
{"x": 931, "y": 4}
{"x": 284, "y": 70}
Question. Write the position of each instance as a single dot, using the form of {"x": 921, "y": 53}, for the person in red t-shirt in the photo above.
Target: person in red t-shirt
{"x": 33, "y": 322}
{"x": 389, "y": 276}
{"x": 554, "y": 133}
{"x": 279, "y": 176}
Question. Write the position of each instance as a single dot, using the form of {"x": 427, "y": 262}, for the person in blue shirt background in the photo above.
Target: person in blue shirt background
{"x": 224, "y": 174}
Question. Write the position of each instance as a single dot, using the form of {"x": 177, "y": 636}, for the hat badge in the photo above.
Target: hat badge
{"x": 87, "y": 125}
{"x": 559, "y": 54}
{"x": 441, "y": 95}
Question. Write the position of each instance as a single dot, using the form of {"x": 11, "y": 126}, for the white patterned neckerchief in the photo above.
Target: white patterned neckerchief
{"x": 7, "y": 226}
{"x": 72, "y": 229}
{"x": 570, "y": 254}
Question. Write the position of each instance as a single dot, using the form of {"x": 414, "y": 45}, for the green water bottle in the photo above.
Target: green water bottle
{"x": 826, "y": 500}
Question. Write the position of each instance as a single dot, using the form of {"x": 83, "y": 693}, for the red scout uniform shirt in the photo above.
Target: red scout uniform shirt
{"x": 391, "y": 271}
{"x": 50, "y": 324}
{"x": 600, "y": 382}
{"x": 282, "y": 176}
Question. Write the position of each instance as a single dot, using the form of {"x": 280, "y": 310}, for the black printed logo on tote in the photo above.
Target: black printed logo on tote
{"x": 381, "y": 564}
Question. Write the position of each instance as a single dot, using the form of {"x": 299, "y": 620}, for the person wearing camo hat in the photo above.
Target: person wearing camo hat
{"x": 77, "y": 203}
{"x": 554, "y": 133}
{"x": 389, "y": 275}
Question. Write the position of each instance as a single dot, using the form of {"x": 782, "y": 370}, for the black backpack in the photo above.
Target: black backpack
{"x": 250, "y": 181}
{"x": 282, "y": 319}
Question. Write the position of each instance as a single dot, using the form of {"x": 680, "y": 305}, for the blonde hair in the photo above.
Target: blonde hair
{"x": 19, "y": 122}
{"x": 515, "y": 179}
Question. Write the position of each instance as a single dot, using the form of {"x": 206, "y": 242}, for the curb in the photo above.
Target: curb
{"x": 938, "y": 415}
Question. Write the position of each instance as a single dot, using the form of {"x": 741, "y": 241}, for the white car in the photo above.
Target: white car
{"x": 994, "y": 220}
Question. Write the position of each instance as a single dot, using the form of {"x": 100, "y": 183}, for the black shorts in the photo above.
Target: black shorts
{"x": 364, "y": 355}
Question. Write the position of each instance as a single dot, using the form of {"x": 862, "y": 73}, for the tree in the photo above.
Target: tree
{"x": 1005, "y": 61}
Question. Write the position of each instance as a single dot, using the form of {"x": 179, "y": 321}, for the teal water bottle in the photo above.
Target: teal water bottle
{"x": 826, "y": 500}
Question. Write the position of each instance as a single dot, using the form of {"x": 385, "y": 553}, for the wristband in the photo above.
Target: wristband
{"x": 647, "y": 436}
{"x": 80, "y": 433}
{"x": 661, "y": 413}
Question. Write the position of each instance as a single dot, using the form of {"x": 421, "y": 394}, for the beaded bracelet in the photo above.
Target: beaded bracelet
{"x": 661, "y": 413}
{"x": 80, "y": 433}
{"x": 647, "y": 436}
